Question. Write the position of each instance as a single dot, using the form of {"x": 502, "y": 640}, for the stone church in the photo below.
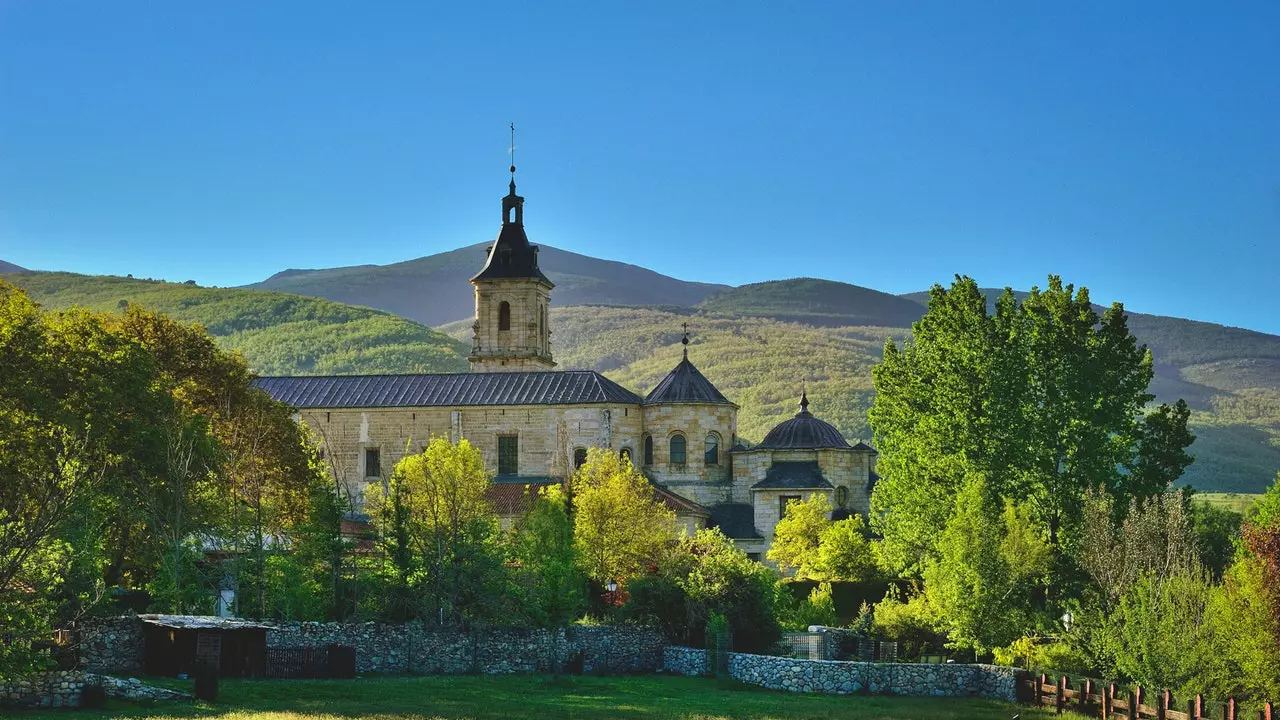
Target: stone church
{"x": 533, "y": 423}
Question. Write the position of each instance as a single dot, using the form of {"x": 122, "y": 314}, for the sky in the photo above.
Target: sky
{"x": 1133, "y": 148}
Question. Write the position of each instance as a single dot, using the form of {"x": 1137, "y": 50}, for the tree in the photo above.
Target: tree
{"x": 440, "y": 532}
{"x": 1155, "y": 537}
{"x": 991, "y": 559}
{"x": 553, "y": 588}
{"x": 817, "y": 548}
{"x": 618, "y": 526}
{"x": 1043, "y": 397}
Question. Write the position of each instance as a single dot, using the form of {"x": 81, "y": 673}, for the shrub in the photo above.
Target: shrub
{"x": 909, "y": 623}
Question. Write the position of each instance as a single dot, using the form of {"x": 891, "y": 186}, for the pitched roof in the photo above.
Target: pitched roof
{"x": 511, "y": 499}
{"x": 735, "y": 520}
{"x": 568, "y": 387}
{"x": 685, "y": 384}
{"x": 793, "y": 475}
{"x": 866, "y": 448}
{"x": 511, "y": 255}
{"x": 677, "y": 504}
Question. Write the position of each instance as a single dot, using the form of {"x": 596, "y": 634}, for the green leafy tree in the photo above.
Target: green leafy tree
{"x": 992, "y": 558}
{"x": 441, "y": 532}
{"x": 809, "y": 543}
{"x": 618, "y": 527}
{"x": 553, "y": 588}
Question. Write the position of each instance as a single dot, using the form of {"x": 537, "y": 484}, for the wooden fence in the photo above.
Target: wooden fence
{"x": 1088, "y": 697}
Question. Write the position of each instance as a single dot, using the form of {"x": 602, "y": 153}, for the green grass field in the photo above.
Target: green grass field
{"x": 1239, "y": 502}
{"x": 543, "y": 698}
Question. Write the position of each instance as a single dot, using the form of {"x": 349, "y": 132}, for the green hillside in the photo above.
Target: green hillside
{"x": 279, "y": 334}
{"x": 824, "y": 303}
{"x": 435, "y": 289}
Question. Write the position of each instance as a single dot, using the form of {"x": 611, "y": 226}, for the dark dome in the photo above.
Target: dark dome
{"x": 803, "y": 432}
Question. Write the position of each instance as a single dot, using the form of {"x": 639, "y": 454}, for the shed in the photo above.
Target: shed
{"x": 181, "y": 644}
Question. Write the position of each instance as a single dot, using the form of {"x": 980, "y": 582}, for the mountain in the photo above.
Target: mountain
{"x": 435, "y": 290}
{"x": 8, "y": 267}
{"x": 822, "y": 303}
{"x": 279, "y": 334}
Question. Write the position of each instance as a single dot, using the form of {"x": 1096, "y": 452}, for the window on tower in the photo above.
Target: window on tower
{"x": 677, "y": 450}
{"x": 648, "y": 450}
{"x": 504, "y": 316}
{"x": 712, "y": 446}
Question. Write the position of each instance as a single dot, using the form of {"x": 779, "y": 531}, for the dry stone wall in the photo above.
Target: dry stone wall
{"x": 62, "y": 689}
{"x": 414, "y": 648}
{"x": 842, "y": 678}
{"x": 111, "y": 644}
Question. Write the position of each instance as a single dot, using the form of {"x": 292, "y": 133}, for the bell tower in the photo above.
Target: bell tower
{"x": 513, "y": 297}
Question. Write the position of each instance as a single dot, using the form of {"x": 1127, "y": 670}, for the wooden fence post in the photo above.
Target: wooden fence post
{"x": 1038, "y": 681}
{"x": 1233, "y": 711}
{"x": 1062, "y": 694}
{"x": 1198, "y": 708}
{"x": 1266, "y": 713}
{"x": 1108, "y": 695}
{"x": 1086, "y": 691}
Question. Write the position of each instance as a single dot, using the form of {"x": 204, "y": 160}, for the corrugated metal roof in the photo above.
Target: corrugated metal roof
{"x": 200, "y": 622}
{"x": 793, "y": 475}
{"x": 567, "y": 387}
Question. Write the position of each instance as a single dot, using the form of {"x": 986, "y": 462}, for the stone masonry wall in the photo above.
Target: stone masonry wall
{"x": 413, "y": 648}
{"x": 62, "y": 689}
{"x": 111, "y": 644}
{"x": 841, "y": 678}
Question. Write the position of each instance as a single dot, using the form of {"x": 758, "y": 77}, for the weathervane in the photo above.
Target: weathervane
{"x": 512, "y": 150}
{"x": 685, "y": 340}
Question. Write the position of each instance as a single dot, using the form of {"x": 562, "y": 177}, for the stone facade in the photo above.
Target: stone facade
{"x": 694, "y": 479}
{"x": 521, "y": 343}
{"x": 843, "y": 678}
{"x": 62, "y": 689}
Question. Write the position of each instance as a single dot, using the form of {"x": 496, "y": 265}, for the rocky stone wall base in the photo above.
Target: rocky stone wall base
{"x": 841, "y": 678}
{"x": 62, "y": 689}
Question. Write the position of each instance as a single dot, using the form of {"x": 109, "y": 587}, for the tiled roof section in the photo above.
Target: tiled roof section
{"x": 866, "y": 448}
{"x": 793, "y": 475}
{"x": 568, "y": 387}
{"x": 685, "y": 384}
{"x": 512, "y": 499}
{"x": 803, "y": 432}
{"x": 677, "y": 504}
{"x": 735, "y": 520}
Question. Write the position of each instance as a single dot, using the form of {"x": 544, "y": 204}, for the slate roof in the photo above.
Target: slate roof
{"x": 685, "y": 384}
{"x": 511, "y": 255}
{"x": 567, "y": 387}
{"x": 793, "y": 475}
{"x": 803, "y": 432}
{"x": 866, "y": 448}
{"x": 735, "y": 520}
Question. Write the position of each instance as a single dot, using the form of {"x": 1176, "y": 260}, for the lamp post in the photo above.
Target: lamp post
{"x": 612, "y": 586}
{"x": 1067, "y": 619}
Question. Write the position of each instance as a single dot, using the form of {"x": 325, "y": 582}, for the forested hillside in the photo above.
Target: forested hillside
{"x": 435, "y": 289}
{"x": 279, "y": 334}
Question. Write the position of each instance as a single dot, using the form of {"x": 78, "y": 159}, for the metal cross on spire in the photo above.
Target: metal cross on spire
{"x": 512, "y": 150}
{"x": 685, "y": 340}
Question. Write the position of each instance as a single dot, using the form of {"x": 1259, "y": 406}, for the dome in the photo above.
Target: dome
{"x": 803, "y": 432}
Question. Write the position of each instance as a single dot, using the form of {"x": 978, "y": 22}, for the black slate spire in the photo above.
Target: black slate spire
{"x": 511, "y": 255}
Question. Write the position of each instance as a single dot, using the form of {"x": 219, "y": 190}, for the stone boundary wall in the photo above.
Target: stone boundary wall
{"x": 417, "y": 649}
{"x": 62, "y": 688}
{"x": 111, "y": 644}
{"x": 842, "y": 678}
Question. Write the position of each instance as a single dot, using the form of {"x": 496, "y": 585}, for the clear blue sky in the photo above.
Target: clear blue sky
{"x": 1130, "y": 147}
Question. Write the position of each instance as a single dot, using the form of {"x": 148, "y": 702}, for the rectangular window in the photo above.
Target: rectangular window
{"x": 782, "y": 504}
{"x": 372, "y": 462}
{"x": 508, "y": 455}
{"x": 753, "y": 556}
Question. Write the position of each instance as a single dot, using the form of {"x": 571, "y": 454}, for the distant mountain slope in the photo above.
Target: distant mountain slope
{"x": 823, "y": 303}
{"x": 279, "y": 334}
{"x": 435, "y": 290}
{"x": 8, "y": 267}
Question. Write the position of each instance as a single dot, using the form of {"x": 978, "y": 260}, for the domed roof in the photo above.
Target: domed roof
{"x": 803, "y": 432}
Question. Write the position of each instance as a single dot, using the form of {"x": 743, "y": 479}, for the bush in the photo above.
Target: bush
{"x": 909, "y": 623}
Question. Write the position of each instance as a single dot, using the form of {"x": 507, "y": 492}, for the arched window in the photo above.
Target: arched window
{"x": 712, "y": 453}
{"x": 504, "y": 316}
{"x": 677, "y": 449}
{"x": 579, "y": 457}
{"x": 648, "y": 450}
{"x": 625, "y": 454}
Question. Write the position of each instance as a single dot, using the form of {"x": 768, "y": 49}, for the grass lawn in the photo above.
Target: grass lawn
{"x": 540, "y": 697}
{"x": 1239, "y": 502}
